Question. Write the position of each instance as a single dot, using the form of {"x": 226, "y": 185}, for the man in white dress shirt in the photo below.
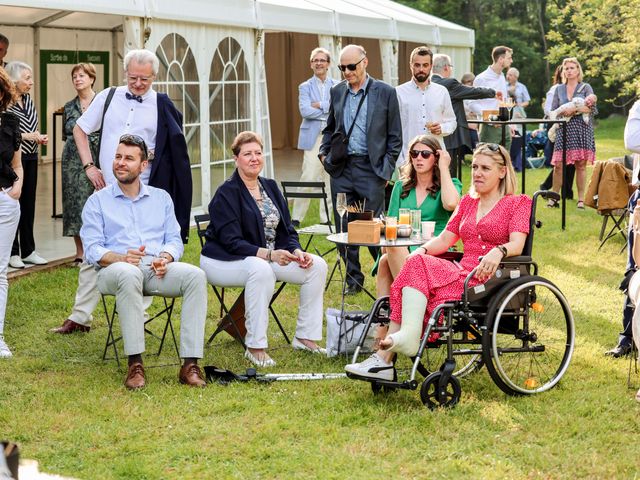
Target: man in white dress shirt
{"x": 425, "y": 107}
{"x": 493, "y": 77}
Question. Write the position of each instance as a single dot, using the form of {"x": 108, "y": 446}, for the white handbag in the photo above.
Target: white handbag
{"x": 343, "y": 333}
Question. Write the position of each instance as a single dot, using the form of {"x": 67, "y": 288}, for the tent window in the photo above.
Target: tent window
{"x": 178, "y": 78}
{"x": 229, "y": 106}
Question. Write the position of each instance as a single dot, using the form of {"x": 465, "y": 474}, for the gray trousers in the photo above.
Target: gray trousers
{"x": 129, "y": 283}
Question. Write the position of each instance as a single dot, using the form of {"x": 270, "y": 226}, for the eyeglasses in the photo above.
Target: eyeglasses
{"x": 136, "y": 78}
{"x": 494, "y": 147}
{"x": 351, "y": 66}
{"x": 319, "y": 60}
{"x": 137, "y": 140}
{"x": 422, "y": 153}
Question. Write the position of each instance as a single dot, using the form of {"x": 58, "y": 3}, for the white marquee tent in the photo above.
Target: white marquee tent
{"x": 218, "y": 57}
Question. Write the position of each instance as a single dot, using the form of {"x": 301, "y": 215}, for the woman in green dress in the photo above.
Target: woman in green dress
{"x": 425, "y": 184}
{"x": 76, "y": 186}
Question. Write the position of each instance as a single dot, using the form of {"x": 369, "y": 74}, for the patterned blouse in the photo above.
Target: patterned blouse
{"x": 28, "y": 122}
{"x": 270, "y": 217}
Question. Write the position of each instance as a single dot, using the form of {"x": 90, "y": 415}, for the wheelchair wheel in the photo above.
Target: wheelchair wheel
{"x": 433, "y": 399}
{"x": 433, "y": 357}
{"x": 530, "y": 336}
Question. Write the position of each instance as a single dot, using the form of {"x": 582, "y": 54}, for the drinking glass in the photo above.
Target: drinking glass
{"x": 155, "y": 264}
{"x": 404, "y": 217}
{"x": 341, "y": 207}
{"x": 416, "y": 218}
{"x": 391, "y": 229}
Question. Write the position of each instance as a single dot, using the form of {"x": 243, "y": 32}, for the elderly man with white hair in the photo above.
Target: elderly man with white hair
{"x": 134, "y": 108}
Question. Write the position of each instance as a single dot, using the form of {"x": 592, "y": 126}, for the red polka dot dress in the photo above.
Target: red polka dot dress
{"x": 441, "y": 280}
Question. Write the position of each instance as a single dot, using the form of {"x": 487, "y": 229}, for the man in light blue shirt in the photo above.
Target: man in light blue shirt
{"x": 129, "y": 230}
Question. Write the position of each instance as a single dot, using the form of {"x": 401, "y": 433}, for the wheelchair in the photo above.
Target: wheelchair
{"x": 518, "y": 324}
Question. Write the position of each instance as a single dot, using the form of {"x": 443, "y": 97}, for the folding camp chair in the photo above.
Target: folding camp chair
{"x": 293, "y": 190}
{"x": 227, "y": 322}
{"x": 165, "y": 311}
{"x": 619, "y": 218}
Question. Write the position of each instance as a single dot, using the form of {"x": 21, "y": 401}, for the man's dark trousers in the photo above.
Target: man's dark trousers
{"x": 359, "y": 182}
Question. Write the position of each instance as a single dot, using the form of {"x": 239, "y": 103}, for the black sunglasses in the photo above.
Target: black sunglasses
{"x": 137, "y": 140}
{"x": 351, "y": 66}
{"x": 494, "y": 147}
{"x": 423, "y": 153}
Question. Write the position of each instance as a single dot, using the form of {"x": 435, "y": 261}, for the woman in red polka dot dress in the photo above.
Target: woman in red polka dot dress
{"x": 492, "y": 222}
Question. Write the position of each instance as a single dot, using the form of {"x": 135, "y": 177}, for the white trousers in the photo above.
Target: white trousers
{"x": 259, "y": 279}
{"x": 634, "y": 294}
{"x": 9, "y": 218}
{"x": 312, "y": 171}
{"x": 88, "y": 296}
{"x": 129, "y": 283}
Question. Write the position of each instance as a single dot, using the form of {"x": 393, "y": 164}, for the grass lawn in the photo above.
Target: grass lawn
{"x": 68, "y": 409}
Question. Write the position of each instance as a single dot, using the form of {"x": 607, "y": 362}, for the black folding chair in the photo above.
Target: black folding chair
{"x": 226, "y": 318}
{"x": 112, "y": 340}
{"x": 310, "y": 190}
{"x": 619, "y": 218}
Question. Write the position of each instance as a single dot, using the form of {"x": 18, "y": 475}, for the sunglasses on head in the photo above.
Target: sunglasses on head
{"x": 423, "y": 153}
{"x": 137, "y": 140}
{"x": 351, "y": 66}
{"x": 494, "y": 147}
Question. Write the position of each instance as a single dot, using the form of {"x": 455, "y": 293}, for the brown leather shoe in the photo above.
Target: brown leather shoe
{"x": 69, "y": 326}
{"x": 135, "y": 377}
{"x": 191, "y": 375}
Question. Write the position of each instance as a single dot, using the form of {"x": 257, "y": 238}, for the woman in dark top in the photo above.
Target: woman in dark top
{"x": 76, "y": 186}
{"x": 24, "y": 244}
{"x": 10, "y": 189}
{"x": 251, "y": 243}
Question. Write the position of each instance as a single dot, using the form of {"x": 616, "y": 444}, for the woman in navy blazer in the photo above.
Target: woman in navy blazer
{"x": 251, "y": 243}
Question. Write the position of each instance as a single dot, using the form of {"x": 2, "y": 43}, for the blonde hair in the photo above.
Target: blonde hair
{"x": 575, "y": 61}
{"x": 500, "y": 156}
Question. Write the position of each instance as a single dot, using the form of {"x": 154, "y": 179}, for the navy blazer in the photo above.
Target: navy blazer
{"x": 236, "y": 230}
{"x": 384, "y": 128}
{"x": 170, "y": 169}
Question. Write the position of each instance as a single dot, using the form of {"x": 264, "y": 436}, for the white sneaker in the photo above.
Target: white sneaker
{"x": 4, "y": 349}
{"x": 372, "y": 367}
{"x": 35, "y": 259}
{"x": 15, "y": 261}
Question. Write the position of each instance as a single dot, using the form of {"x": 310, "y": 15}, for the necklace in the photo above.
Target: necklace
{"x": 85, "y": 105}
{"x": 483, "y": 211}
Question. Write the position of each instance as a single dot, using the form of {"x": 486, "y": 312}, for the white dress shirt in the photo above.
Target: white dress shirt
{"x": 417, "y": 107}
{"x": 123, "y": 116}
{"x": 488, "y": 79}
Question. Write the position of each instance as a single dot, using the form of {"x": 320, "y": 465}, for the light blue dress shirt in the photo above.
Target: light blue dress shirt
{"x": 113, "y": 222}
{"x": 358, "y": 138}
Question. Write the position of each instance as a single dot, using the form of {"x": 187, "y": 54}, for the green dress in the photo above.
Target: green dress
{"x": 76, "y": 186}
{"x": 431, "y": 208}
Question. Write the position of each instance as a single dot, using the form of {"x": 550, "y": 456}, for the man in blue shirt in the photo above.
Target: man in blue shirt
{"x": 129, "y": 230}
{"x": 369, "y": 109}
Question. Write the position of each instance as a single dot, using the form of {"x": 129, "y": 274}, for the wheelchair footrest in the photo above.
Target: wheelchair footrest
{"x": 405, "y": 385}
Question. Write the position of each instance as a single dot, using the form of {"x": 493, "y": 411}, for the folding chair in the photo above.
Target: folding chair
{"x": 168, "y": 327}
{"x": 226, "y": 318}
{"x": 291, "y": 191}
{"x": 619, "y": 218}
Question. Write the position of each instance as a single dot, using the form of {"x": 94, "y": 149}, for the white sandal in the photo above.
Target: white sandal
{"x": 267, "y": 361}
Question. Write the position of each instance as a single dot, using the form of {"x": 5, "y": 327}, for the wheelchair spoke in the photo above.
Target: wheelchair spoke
{"x": 531, "y": 339}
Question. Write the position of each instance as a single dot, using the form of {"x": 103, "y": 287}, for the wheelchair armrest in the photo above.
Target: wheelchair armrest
{"x": 517, "y": 259}
{"x": 451, "y": 256}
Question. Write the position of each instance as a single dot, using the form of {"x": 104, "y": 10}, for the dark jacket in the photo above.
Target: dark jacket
{"x": 236, "y": 230}
{"x": 170, "y": 169}
{"x": 459, "y": 92}
{"x": 384, "y": 129}
{"x": 10, "y": 139}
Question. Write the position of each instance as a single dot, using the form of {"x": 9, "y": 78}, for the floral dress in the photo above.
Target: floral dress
{"x": 76, "y": 186}
{"x": 441, "y": 280}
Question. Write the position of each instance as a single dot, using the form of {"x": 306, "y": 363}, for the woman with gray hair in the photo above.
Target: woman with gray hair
{"x": 24, "y": 246}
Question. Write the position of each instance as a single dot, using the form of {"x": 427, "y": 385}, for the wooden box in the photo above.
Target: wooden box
{"x": 488, "y": 113}
{"x": 363, "y": 231}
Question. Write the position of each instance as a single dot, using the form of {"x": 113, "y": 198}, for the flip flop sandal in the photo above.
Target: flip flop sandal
{"x": 580, "y": 205}
{"x": 553, "y": 203}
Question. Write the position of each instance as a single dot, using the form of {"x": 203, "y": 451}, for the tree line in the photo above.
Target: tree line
{"x": 602, "y": 34}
